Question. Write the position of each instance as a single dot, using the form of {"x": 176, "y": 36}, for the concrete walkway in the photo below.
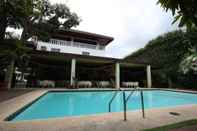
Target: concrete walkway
{"x": 107, "y": 122}
{"x": 6, "y": 95}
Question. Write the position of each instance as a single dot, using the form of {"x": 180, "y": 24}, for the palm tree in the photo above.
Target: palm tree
{"x": 184, "y": 11}
{"x": 189, "y": 62}
{"x": 12, "y": 52}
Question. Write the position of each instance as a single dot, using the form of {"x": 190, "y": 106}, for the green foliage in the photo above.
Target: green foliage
{"x": 174, "y": 126}
{"x": 189, "y": 63}
{"x": 36, "y": 17}
{"x": 184, "y": 11}
{"x": 13, "y": 49}
{"x": 12, "y": 52}
{"x": 163, "y": 51}
{"x": 14, "y": 12}
{"x": 56, "y": 17}
{"x": 166, "y": 52}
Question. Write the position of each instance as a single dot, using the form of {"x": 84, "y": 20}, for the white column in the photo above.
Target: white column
{"x": 117, "y": 75}
{"x": 73, "y": 68}
{"x": 97, "y": 46}
{"x": 148, "y": 73}
{"x": 72, "y": 41}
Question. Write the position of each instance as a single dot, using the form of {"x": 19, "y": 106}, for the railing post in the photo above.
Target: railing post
{"x": 142, "y": 103}
{"x": 110, "y": 102}
{"x": 125, "y": 106}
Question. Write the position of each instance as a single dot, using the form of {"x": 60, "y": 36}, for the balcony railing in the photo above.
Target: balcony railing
{"x": 60, "y": 42}
{"x": 75, "y": 44}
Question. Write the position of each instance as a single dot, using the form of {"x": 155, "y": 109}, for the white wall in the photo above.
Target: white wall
{"x": 70, "y": 49}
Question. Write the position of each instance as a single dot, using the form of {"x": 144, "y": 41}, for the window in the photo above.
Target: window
{"x": 43, "y": 48}
{"x": 55, "y": 50}
{"x": 101, "y": 47}
{"x": 85, "y": 53}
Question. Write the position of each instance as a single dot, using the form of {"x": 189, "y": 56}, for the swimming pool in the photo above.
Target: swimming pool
{"x": 61, "y": 104}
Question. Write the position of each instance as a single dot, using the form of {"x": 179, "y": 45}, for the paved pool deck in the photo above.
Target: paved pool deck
{"x": 107, "y": 122}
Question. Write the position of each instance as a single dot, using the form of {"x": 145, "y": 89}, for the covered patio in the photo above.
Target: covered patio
{"x": 73, "y": 71}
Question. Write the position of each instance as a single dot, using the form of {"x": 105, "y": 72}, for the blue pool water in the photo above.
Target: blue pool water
{"x": 61, "y": 104}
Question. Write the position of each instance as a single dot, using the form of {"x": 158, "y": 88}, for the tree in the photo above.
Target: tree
{"x": 12, "y": 51}
{"x": 12, "y": 13}
{"x": 35, "y": 17}
{"x": 166, "y": 52}
{"x": 50, "y": 18}
{"x": 58, "y": 16}
{"x": 183, "y": 10}
{"x": 189, "y": 62}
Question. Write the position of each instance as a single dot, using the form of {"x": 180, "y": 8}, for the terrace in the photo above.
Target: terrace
{"x": 118, "y": 73}
{"x": 75, "y": 44}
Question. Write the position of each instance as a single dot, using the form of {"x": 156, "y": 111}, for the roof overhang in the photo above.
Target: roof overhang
{"x": 86, "y": 36}
{"x": 67, "y": 57}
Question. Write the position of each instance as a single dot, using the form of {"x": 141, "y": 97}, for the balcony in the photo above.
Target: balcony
{"x": 76, "y": 44}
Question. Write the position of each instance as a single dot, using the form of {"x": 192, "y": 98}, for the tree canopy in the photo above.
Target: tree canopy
{"x": 35, "y": 17}
{"x": 184, "y": 11}
{"x": 166, "y": 52}
{"x": 163, "y": 50}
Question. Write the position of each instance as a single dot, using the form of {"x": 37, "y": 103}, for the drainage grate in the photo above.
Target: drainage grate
{"x": 174, "y": 113}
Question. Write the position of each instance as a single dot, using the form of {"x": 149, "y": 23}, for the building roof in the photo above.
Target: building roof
{"x": 69, "y": 56}
{"x": 43, "y": 55}
{"x": 82, "y": 35}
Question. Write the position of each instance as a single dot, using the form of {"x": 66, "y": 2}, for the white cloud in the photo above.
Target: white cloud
{"x": 132, "y": 23}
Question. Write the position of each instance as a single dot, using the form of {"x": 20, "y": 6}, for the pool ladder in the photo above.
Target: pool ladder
{"x": 110, "y": 102}
{"x": 126, "y": 99}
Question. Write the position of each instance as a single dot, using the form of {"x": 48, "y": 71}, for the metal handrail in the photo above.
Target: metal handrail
{"x": 131, "y": 93}
{"x": 125, "y": 100}
{"x": 110, "y": 102}
{"x": 142, "y": 103}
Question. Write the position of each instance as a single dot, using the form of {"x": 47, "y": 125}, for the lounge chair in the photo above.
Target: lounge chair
{"x": 104, "y": 84}
{"x": 130, "y": 84}
{"x": 85, "y": 84}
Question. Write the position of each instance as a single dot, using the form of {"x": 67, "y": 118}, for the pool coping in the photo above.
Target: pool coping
{"x": 107, "y": 121}
{"x": 20, "y": 110}
{"x": 25, "y": 106}
{"x": 99, "y": 114}
{"x": 17, "y": 112}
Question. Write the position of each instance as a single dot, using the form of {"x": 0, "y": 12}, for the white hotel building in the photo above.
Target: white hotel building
{"x": 76, "y": 49}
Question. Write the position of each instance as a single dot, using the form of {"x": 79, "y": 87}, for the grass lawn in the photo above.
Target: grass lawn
{"x": 183, "y": 124}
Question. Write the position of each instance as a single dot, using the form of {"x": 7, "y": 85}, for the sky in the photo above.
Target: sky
{"x": 132, "y": 23}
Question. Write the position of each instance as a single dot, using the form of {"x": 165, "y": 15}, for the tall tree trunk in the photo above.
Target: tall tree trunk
{"x": 169, "y": 83}
{"x": 25, "y": 30}
{"x": 9, "y": 74}
{"x": 3, "y": 20}
{"x": 3, "y": 25}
